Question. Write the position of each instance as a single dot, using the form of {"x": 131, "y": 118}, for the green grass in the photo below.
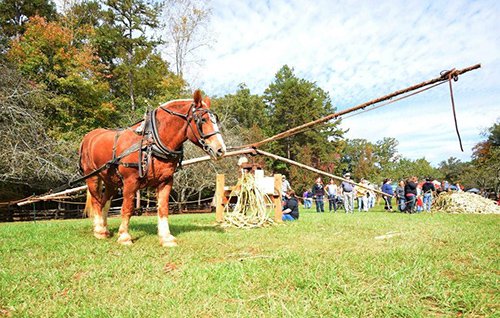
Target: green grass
{"x": 324, "y": 265}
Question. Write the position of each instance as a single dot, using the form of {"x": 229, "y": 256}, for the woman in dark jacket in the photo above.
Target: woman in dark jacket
{"x": 411, "y": 194}
{"x": 291, "y": 208}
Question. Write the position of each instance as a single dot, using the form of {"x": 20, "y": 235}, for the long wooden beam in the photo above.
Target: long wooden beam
{"x": 298, "y": 129}
{"x": 83, "y": 188}
{"x": 321, "y": 172}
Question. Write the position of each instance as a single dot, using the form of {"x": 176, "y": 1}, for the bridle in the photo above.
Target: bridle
{"x": 197, "y": 114}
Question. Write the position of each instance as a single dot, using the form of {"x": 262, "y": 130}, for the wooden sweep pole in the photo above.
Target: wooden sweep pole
{"x": 301, "y": 165}
{"x": 298, "y": 129}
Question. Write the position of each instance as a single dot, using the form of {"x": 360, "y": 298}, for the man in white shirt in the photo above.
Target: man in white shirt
{"x": 331, "y": 189}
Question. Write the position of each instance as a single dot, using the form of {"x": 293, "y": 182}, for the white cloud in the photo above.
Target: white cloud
{"x": 360, "y": 50}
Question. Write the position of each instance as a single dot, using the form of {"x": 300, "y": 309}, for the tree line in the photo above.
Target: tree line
{"x": 104, "y": 63}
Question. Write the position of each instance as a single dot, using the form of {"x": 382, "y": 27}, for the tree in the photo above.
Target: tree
{"x": 451, "y": 169}
{"x": 291, "y": 102}
{"x": 14, "y": 15}
{"x": 186, "y": 25}
{"x": 127, "y": 23}
{"x": 28, "y": 155}
{"x": 244, "y": 111}
{"x": 484, "y": 170}
{"x": 47, "y": 54}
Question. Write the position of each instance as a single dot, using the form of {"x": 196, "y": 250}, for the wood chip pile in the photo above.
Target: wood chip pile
{"x": 464, "y": 202}
{"x": 252, "y": 208}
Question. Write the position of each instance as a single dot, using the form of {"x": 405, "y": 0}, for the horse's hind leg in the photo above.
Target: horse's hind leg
{"x": 97, "y": 207}
{"x": 127, "y": 210}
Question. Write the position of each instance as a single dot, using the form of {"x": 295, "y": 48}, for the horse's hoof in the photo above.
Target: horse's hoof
{"x": 168, "y": 244}
{"x": 125, "y": 239}
{"x": 168, "y": 241}
{"x": 101, "y": 235}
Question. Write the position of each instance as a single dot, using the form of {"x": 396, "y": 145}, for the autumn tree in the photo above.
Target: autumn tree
{"x": 14, "y": 15}
{"x": 484, "y": 170}
{"x": 48, "y": 54}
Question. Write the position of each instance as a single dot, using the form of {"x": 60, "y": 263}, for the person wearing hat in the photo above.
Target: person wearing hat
{"x": 285, "y": 187}
{"x": 347, "y": 193}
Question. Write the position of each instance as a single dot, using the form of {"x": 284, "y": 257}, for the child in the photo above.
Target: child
{"x": 420, "y": 204}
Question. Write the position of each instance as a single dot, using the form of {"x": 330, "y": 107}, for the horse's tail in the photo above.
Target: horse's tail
{"x": 89, "y": 208}
{"x": 88, "y": 211}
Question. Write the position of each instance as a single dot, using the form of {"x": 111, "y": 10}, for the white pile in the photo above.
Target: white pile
{"x": 464, "y": 202}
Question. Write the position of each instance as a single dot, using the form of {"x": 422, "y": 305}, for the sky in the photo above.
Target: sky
{"x": 360, "y": 50}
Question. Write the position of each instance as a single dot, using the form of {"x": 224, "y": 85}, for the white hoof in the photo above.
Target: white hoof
{"x": 125, "y": 239}
{"x": 168, "y": 241}
{"x": 101, "y": 235}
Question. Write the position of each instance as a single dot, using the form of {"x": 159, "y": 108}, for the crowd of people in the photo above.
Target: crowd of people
{"x": 409, "y": 196}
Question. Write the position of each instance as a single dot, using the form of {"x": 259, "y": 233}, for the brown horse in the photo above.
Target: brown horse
{"x": 145, "y": 155}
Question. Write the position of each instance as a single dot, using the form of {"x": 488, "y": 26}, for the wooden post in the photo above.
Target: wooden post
{"x": 219, "y": 198}
{"x": 278, "y": 208}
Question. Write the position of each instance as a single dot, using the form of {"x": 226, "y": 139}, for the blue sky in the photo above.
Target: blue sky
{"x": 360, "y": 50}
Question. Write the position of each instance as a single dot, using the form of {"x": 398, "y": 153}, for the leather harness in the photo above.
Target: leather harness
{"x": 151, "y": 144}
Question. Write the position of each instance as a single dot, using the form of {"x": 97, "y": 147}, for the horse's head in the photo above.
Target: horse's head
{"x": 204, "y": 129}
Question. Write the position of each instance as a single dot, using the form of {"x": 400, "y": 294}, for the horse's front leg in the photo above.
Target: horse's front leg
{"x": 163, "y": 194}
{"x": 129, "y": 191}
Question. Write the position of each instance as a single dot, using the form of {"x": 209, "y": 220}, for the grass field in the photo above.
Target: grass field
{"x": 324, "y": 265}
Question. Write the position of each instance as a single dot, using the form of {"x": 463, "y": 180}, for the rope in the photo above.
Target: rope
{"x": 453, "y": 74}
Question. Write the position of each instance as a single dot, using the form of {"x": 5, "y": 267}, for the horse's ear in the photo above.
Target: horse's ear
{"x": 197, "y": 98}
{"x": 207, "y": 101}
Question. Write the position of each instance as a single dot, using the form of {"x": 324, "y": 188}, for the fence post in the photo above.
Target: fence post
{"x": 219, "y": 198}
{"x": 278, "y": 208}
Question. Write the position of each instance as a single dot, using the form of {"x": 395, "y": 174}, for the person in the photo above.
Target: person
{"x": 387, "y": 189}
{"x": 420, "y": 203}
{"x": 318, "y": 191}
{"x": 411, "y": 194}
{"x": 371, "y": 195}
{"x": 428, "y": 190}
{"x": 285, "y": 187}
{"x": 331, "y": 189}
{"x": 347, "y": 193}
{"x": 361, "y": 195}
{"x": 400, "y": 196}
{"x": 291, "y": 208}
{"x": 307, "y": 199}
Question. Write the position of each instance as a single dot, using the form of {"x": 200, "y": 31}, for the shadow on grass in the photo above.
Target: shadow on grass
{"x": 146, "y": 229}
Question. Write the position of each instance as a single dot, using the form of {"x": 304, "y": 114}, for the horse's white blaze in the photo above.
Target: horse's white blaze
{"x": 163, "y": 228}
{"x": 219, "y": 138}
